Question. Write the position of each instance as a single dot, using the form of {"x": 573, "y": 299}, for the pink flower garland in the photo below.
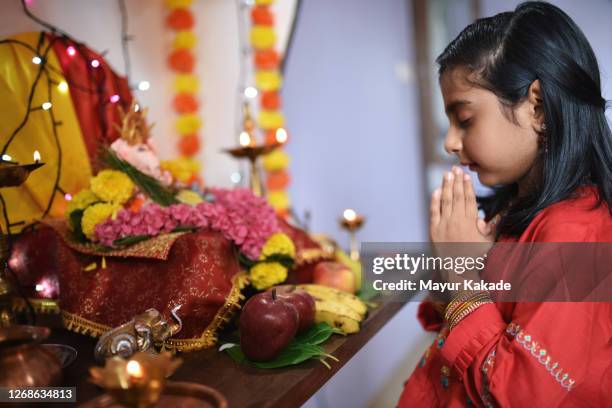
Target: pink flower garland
{"x": 240, "y": 216}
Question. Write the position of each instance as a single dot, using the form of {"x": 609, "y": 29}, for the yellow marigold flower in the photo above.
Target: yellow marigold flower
{"x": 95, "y": 214}
{"x": 189, "y": 197}
{"x": 278, "y": 244}
{"x": 263, "y": 37}
{"x": 188, "y": 124}
{"x": 268, "y": 80}
{"x": 186, "y": 83}
{"x": 182, "y": 168}
{"x": 270, "y": 119}
{"x": 81, "y": 200}
{"x": 279, "y": 200}
{"x": 112, "y": 185}
{"x": 277, "y": 160}
{"x": 267, "y": 274}
{"x": 174, "y": 4}
{"x": 184, "y": 40}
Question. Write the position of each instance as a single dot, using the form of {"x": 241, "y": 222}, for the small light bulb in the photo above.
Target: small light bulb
{"x": 68, "y": 197}
{"x": 95, "y": 63}
{"x": 144, "y": 85}
{"x": 281, "y": 135}
{"x": 39, "y": 287}
{"x": 71, "y": 51}
{"x": 250, "y": 92}
{"x": 46, "y": 105}
{"x": 37, "y": 60}
{"x": 6, "y": 157}
{"x": 349, "y": 214}
{"x": 114, "y": 98}
{"x": 235, "y": 177}
{"x": 63, "y": 87}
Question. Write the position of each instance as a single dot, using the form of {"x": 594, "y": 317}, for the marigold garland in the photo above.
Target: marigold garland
{"x": 182, "y": 61}
{"x": 268, "y": 81}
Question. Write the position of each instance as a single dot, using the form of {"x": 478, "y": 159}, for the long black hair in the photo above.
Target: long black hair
{"x": 508, "y": 52}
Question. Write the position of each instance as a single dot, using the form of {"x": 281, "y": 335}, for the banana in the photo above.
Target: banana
{"x": 337, "y": 296}
{"x": 334, "y": 315}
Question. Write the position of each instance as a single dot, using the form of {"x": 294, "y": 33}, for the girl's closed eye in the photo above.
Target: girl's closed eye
{"x": 464, "y": 123}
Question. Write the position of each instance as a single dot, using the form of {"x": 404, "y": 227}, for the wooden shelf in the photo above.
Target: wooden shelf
{"x": 242, "y": 385}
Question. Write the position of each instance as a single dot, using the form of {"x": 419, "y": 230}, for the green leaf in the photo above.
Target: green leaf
{"x": 147, "y": 184}
{"x": 301, "y": 348}
{"x": 75, "y": 224}
{"x": 317, "y": 334}
{"x": 185, "y": 228}
{"x": 367, "y": 292}
{"x": 284, "y": 260}
{"x": 133, "y": 239}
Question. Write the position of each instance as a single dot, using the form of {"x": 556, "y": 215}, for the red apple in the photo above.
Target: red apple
{"x": 335, "y": 275}
{"x": 303, "y": 302}
{"x": 267, "y": 325}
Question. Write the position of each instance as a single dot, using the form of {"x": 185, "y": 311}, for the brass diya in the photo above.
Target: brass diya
{"x": 176, "y": 394}
{"x": 137, "y": 382}
{"x": 352, "y": 222}
{"x": 24, "y": 361}
{"x": 14, "y": 175}
{"x": 252, "y": 153}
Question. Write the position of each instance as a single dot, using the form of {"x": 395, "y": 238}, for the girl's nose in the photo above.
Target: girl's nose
{"x": 452, "y": 141}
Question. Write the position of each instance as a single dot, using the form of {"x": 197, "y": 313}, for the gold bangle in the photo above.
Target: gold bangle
{"x": 466, "y": 312}
{"x": 462, "y": 298}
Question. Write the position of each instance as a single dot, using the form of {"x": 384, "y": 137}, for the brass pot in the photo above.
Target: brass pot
{"x": 24, "y": 362}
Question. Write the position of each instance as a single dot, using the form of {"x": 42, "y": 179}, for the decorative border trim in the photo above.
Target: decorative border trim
{"x": 42, "y": 306}
{"x": 208, "y": 339}
{"x": 541, "y": 355}
{"x": 223, "y": 316}
{"x": 310, "y": 255}
{"x": 487, "y": 365}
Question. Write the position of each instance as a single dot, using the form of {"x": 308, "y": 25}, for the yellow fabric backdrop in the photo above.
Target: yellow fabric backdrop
{"x": 17, "y": 74}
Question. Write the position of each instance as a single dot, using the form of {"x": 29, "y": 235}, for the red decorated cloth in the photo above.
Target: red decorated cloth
{"x": 93, "y": 89}
{"x": 201, "y": 273}
{"x": 553, "y": 354}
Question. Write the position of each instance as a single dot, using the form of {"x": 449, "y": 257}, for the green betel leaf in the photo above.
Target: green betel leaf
{"x": 301, "y": 348}
{"x": 147, "y": 184}
{"x": 317, "y": 334}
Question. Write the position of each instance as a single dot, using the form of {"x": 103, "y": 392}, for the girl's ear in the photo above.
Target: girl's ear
{"x": 536, "y": 109}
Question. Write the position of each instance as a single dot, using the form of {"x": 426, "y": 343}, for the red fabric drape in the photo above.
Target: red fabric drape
{"x": 91, "y": 88}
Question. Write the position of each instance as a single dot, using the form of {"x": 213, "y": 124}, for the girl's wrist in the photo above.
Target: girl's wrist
{"x": 464, "y": 303}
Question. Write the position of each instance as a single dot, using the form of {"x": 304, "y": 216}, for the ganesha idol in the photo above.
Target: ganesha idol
{"x": 139, "y": 242}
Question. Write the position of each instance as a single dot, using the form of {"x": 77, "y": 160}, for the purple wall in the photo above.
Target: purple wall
{"x": 354, "y": 123}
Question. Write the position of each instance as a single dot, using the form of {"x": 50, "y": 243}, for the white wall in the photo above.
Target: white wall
{"x": 592, "y": 16}
{"x": 98, "y": 24}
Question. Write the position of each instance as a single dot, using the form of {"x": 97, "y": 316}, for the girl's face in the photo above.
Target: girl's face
{"x": 482, "y": 136}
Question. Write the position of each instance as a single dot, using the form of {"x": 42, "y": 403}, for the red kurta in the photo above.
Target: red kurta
{"x": 524, "y": 354}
